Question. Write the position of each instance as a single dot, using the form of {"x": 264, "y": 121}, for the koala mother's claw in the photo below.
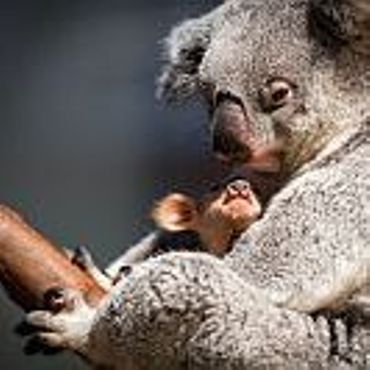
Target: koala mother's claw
{"x": 54, "y": 299}
{"x": 65, "y": 328}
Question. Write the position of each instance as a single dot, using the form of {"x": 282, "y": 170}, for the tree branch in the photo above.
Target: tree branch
{"x": 30, "y": 265}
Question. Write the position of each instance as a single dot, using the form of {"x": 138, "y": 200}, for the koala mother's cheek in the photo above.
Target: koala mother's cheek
{"x": 266, "y": 158}
{"x": 305, "y": 136}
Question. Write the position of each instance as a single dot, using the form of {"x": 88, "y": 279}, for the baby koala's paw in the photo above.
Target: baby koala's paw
{"x": 65, "y": 326}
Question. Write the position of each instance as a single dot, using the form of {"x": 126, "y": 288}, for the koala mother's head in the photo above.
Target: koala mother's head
{"x": 280, "y": 78}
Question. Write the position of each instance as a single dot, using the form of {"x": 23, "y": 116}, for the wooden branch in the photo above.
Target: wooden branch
{"x": 30, "y": 265}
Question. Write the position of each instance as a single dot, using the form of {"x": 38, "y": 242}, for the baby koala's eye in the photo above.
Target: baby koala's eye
{"x": 276, "y": 93}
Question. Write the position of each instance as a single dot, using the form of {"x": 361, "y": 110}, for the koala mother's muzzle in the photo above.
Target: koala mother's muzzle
{"x": 234, "y": 140}
{"x": 231, "y": 134}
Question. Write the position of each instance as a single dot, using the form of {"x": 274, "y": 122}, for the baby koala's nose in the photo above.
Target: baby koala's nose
{"x": 239, "y": 187}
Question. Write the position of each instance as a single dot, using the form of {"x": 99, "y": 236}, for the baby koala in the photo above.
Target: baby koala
{"x": 218, "y": 218}
{"x": 210, "y": 224}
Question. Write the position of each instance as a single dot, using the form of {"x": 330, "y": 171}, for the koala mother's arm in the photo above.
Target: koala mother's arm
{"x": 190, "y": 311}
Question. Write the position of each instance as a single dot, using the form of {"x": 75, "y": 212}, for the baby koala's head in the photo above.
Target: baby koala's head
{"x": 219, "y": 217}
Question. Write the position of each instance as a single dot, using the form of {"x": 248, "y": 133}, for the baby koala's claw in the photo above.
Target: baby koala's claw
{"x": 65, "y": 326}
{"x": 37, "y": 345}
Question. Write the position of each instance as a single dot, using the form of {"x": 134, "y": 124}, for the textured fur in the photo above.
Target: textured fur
{"x": 309, "y": 251}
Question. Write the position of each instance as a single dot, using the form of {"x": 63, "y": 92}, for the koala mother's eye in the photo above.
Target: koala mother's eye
{"x": 276, "y": 94}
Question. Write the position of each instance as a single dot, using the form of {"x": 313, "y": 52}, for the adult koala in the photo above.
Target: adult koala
{"x": 288, "y": 85}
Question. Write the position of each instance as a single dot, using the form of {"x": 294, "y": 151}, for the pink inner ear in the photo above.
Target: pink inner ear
{"x": 175, "y": 212}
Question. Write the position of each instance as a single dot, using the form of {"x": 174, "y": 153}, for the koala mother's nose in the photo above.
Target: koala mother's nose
{"x": 230, "y": 128}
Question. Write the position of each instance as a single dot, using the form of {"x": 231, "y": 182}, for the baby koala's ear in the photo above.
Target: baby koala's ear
{"x": 176, "y": 212}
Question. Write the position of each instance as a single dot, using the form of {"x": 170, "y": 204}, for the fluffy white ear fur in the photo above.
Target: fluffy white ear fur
{"x": 183, "y": 51}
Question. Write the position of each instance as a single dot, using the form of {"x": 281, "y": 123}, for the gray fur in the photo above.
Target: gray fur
{"x": 310, "y": 249}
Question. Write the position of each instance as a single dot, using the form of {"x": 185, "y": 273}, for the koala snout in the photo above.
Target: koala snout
{"x": 239, "y": 187}
{"x": 230, "y": 129}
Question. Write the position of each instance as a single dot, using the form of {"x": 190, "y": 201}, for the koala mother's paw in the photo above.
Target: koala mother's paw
{"x": 65, "y": 326}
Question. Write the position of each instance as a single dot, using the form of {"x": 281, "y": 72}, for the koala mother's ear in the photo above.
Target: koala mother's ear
{"x": 348, "y": 21}
{"x": 183, "y": 52}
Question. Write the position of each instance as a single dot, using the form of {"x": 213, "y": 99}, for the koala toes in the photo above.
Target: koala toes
{"x": 55, "y": 300}
{"x": 65, "y": 325}
{"x": 45, "y": 320}
{"x": 44, "y": 331}
{"x": 59, "y": 299}
{"x": 36, "y": 344}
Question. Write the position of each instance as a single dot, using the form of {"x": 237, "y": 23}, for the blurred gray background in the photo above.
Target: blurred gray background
{"x": 85, "y": 148}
